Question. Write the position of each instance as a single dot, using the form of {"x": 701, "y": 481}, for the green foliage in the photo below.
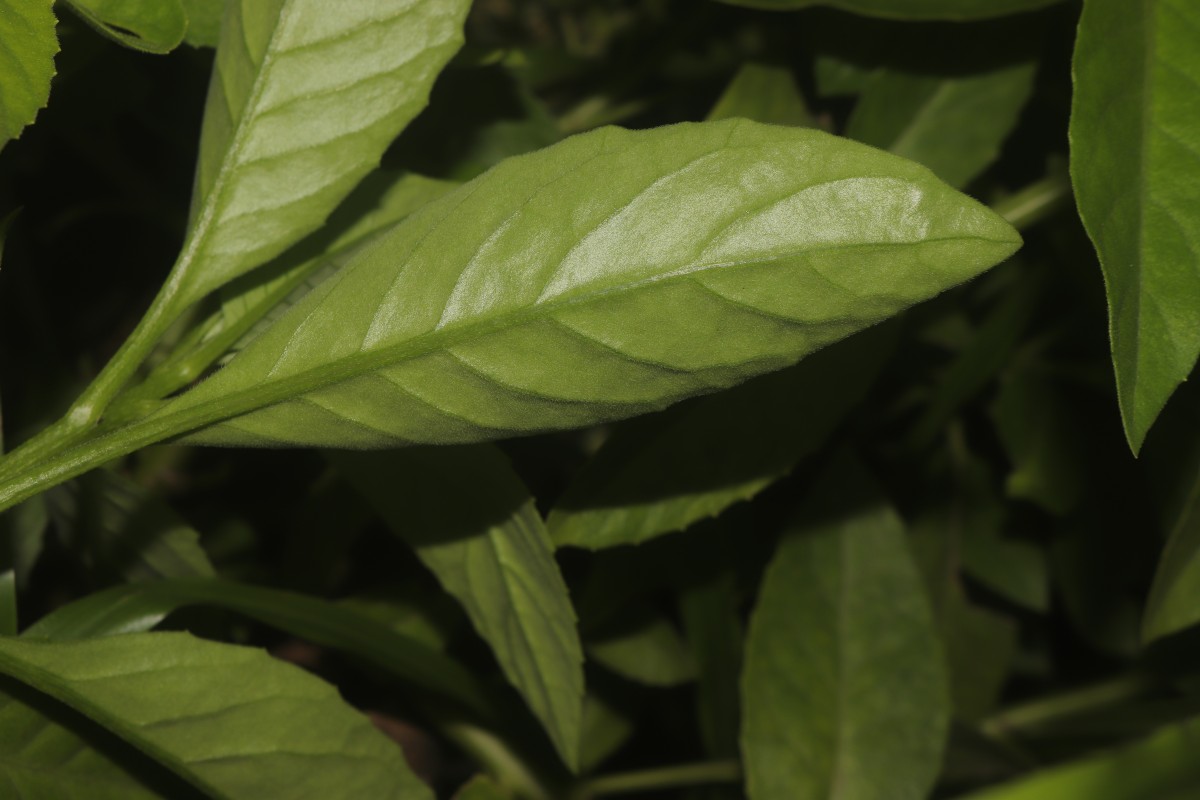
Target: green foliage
{"x": 689, "y": 429}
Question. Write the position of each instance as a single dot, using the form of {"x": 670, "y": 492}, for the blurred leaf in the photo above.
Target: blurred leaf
{"x": 472, "y": 522}
{"x": 605, "y": 729}
{"x": 155, "y": 26}
{"x": 836, "y": 76}
{"x": 844, "y": 688}
{"x": 1174, "y": 602}
{"x": 954, "y": 126}
{"x": 26, "y": 62}
{"x": 230, "y": 720}
{"x": 304, "y": 99}
{"x": 715, "y": 637}
{"x": 1039, "y": 428}
{"x": 661, "y": 474}
{"x": 204, "y": 22}
{"x": 481, "y": 787}
{"x": 1163, "y": 767}
{"x": 908, "y": 9}
{"x": 648, "y": 650}
{"x": 1135, "y": 164}
{"x": 763, "y": 93}
{"x": 1013, "y": 568}
{"x": 139, "y": 607}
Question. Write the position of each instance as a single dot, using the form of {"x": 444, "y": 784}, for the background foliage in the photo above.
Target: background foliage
{"x": 923, "y": 561}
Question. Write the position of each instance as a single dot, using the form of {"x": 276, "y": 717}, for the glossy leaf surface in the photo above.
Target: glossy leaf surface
{"x": 909, "y": 9}
{"x": 304, "y": 98}
{"x": 663, "y": 474}
{"x": 26, "y": 62}
{"x": 230, "y": 720}
{"x": 844, "y": 691}
{"x": 954, "y": 126}
{"x": 474, "y": 524}
{"x": 1135, "y": 164}
{"x": 138, "y": 608}
{"x": 155, "y": 26}
{"x": 602, "y": 277}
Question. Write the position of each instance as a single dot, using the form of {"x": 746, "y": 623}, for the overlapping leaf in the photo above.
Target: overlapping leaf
{"x": 27, "y": 48}
{"x": 304, "y": 98}
{"x": 909, "y": 9}
{"x": 155, "y": 26}
{"x": 1135, "y": 164}
{"x": 474, "y": 524}
{"x": 762, "y": 93}
{"x": 844, "y": 691}
{"x": 608, "y": 275}
{"x": 230, "y": 720}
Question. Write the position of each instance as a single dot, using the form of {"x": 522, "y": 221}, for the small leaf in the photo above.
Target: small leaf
{"x": 953, "y": 125}
{"x": 154, "y": 26}
{"x": 26, "y": 62}
{"x": 764, "y": 94}
{"x": 605, "y": 729}
{"x": 662, "y": 474}
{"x": 1163, "y": 767}
{"x": 304, "y": 98}
{"x": 1135, "y": 164}
{"x": 648, "y": 651}
{"x": 908, "y": 9}
{"x": 472, "y": 522}
{"x": 844, "y": 691}
{"x": 232, "y": 721}
{"x": 1174, "y": 602}
{"x": 481, "y": 787}
{"x": 532, "y": 298}
{"x": 139, "y": 607}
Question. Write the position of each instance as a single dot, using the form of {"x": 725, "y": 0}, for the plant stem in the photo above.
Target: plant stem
{"x": 1040, "y": 713}
{"x": 727, "y": 771}
{"x": 1028, "y": 206}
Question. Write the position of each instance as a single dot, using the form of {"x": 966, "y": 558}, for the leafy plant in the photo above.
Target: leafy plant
{"x": 706, "y": 400}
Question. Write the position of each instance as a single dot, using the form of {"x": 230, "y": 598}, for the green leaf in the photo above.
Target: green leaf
{"x": 304, "y": 98}
{"x": 713, "y": 627}
{"x": 844, "y": 691}
{"x": 154, "y": 26}
{"x": 139, "y": 607}
{"x": 1174, "y": 602}
{"x": 232, "y": 721}
{"x": 658, "y": 475}
{"x": 605, "y": 729}
{"x": 26, "y": 62}
{"x": 472, "y": 522}
{"x": 953, "y": 125}
{"x": 1163, "y": 767}
{"x": 481, "y": 787}
{"x": 648, "y": 651}
{"x": 908, "y": 9}
{"x": 49, "y": 751}
{"x": 203, "y": 22}
{"x": 765, "y": 242}
{"x": 1135, "y": 164}
{"x": 762, "y": 93}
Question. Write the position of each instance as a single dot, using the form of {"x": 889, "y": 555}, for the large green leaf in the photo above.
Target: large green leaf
{"x": 602, "y": 277}
{"x": 26, "y": 62}
{"x": 844, "y": 691}
{"x": 1135, "y": 163}
{"x": 474, "y": 524}
{"x": 953, "y": 125}
{"x": 1163, "y": 767}
{"x": 137, "y": 608}
{"x": 304, "y": 98}
{"x": 155, "y": 26}
{"x": 909, "y": 9}
{"x": 232, "y": 721}
{"x": 657, "y": 475}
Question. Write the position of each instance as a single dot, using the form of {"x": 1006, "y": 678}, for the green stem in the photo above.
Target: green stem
{"x": 1024, "y": 719}
{"x": 1027, "y": 207}
{"x": 727, "y": 771}
{"x": 497, "y": 758}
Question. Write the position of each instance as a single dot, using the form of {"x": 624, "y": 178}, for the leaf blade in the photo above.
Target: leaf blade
{"x": 26, "y": 63}
{"x": 153, "y": 26}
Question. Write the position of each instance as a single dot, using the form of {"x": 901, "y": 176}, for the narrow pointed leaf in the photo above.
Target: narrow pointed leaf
{"x": 763, "y": 93}
{"x": 138, "y": 608}
{"x": 843, "y": 689}
{"x": 232, "y": 721}
{"x": 605, "y": 276}
{"x": 473, "y": 523}
{"x": 909, "y": 9}
{"x": 649, "y": 651}
{"x": 663, "y": 474}
{"x": 305, "y": 96}
{"x": 1163, "y": 767}
{"x": 954, "y": 126}
{"x": 26, "y": 62}
{"x": 1135, "y": 164}
{"x": 1174, "y": 602}
{"x": 155, "y": 26}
